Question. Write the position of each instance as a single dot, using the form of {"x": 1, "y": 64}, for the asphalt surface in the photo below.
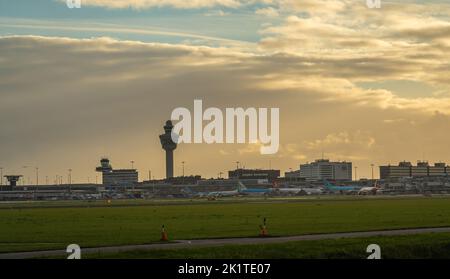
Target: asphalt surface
{"x": 219, "y": 242}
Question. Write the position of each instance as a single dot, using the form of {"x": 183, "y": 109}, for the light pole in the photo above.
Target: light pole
{"x": 1, "y": 176}
{"x": 23, "y": 181}
{"x": 69, "y": 178}
{"x": 149, "y": 175}
{"x": 132, "y": 164}
{"x": 37, "y": 176}
{"x": 356, "y": 173}
{"x": 372, "y": 165}
{"x": 237, "y": 165}
{"x": 182, "y": 163}
{"x": 290, "y": 170}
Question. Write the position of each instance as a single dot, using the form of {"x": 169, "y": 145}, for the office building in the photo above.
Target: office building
{"x": 325, "y": 169}
{"x": 269, "y": 175}
{"x": 406, "y": 169}
{"x": 118, "y": 177}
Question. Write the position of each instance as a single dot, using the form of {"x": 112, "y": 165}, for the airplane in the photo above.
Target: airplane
{"x": 369, "y": 190}
{"x": 287, "y": 191}
{"x": 297, "y": 191}
{"x": 334, "y": 188}
{"x": 312, "y": 191}
{"x": 253, "y": 191}
{"x": 191, "y": 194}
{"x": 188, "y": 192}
{"x": 224, "y": 193}
{"x": 216, "y": 194}
{"x": 241, "y": 190}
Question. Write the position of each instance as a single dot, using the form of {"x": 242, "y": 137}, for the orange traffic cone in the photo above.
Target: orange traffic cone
{"x": 164, "y": 234}
{"x": 263, "y": 230}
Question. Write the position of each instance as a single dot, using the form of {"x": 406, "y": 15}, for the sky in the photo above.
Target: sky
{"x": 371, "y": 86}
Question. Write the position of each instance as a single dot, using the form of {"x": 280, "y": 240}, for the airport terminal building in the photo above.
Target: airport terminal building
{"x": 269, "y": 175}
{"x": 325, "y": 169}
{"x": 118, "y": 177}
{"x": 406, "y": 169}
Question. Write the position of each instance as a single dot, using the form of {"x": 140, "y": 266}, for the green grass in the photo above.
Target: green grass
{"x": 423, "y": 246}
{"x": 24, "y": 229}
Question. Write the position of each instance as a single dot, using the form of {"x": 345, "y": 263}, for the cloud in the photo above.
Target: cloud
{"x": 269, "y": 12}
{"x": 115, "y": 29}
{"x": 217, "y": 13}
{"x": 181, "y": 4}
{"x": 357, "y": 142}
{"x": 351, "y": 43}
{"x": 66, "y": 102}
{"x": 84, "y": 98}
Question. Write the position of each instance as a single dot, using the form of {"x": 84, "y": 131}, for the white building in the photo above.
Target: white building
{"x": 112, "y": 177}
{"x": 406, "y": 169}
{"x": 126, "y": 177}
{"x": 324, "y": 169}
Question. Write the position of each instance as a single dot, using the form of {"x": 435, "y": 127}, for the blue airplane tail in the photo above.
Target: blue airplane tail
{"x": 328, "y": 184}
{"x": 332, "y": 187}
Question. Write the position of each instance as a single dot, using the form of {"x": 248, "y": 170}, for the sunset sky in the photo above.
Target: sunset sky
{"x": 357, "y": 84}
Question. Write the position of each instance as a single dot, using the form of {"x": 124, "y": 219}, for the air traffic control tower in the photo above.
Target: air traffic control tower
{"x": 12, "y": 179}
{"x": 169, "y": 146}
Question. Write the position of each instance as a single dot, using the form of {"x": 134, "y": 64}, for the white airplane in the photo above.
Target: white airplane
{"x": 369, "y": 190}
{"x": 219, "y": 194}
{"x": 287, "y": 191}
{"x": 241, "y": 190}
{"x": 312, "y": 191}
{"x": 297, "y": 191}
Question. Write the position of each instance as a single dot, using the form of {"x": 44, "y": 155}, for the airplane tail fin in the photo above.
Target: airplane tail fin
{"x": 327, "y": 184}
{"x": 241, "y": 186}
{"x": 376, "y": 185}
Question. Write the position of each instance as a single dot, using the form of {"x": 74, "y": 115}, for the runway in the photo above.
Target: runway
{"x": 220, "y": 242}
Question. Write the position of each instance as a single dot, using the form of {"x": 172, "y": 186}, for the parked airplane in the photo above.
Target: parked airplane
{"x": 253, "y": 191}
{"x": 369, "y": 190}
{"x": 335, "y": 188}
{"x": 230, "y": 193}
{"x": 297, "y": 191}
{"x": 191, "y": 194}
{"x": 187, "y": 192}
{"x": 312, "y": 191}
{"x": 241, "y": 190}
{"x": 287, "y": 191}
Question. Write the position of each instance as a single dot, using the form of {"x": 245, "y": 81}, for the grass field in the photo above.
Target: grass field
{"x": 424, "y": 246}
{"x": 26, "y": 229}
